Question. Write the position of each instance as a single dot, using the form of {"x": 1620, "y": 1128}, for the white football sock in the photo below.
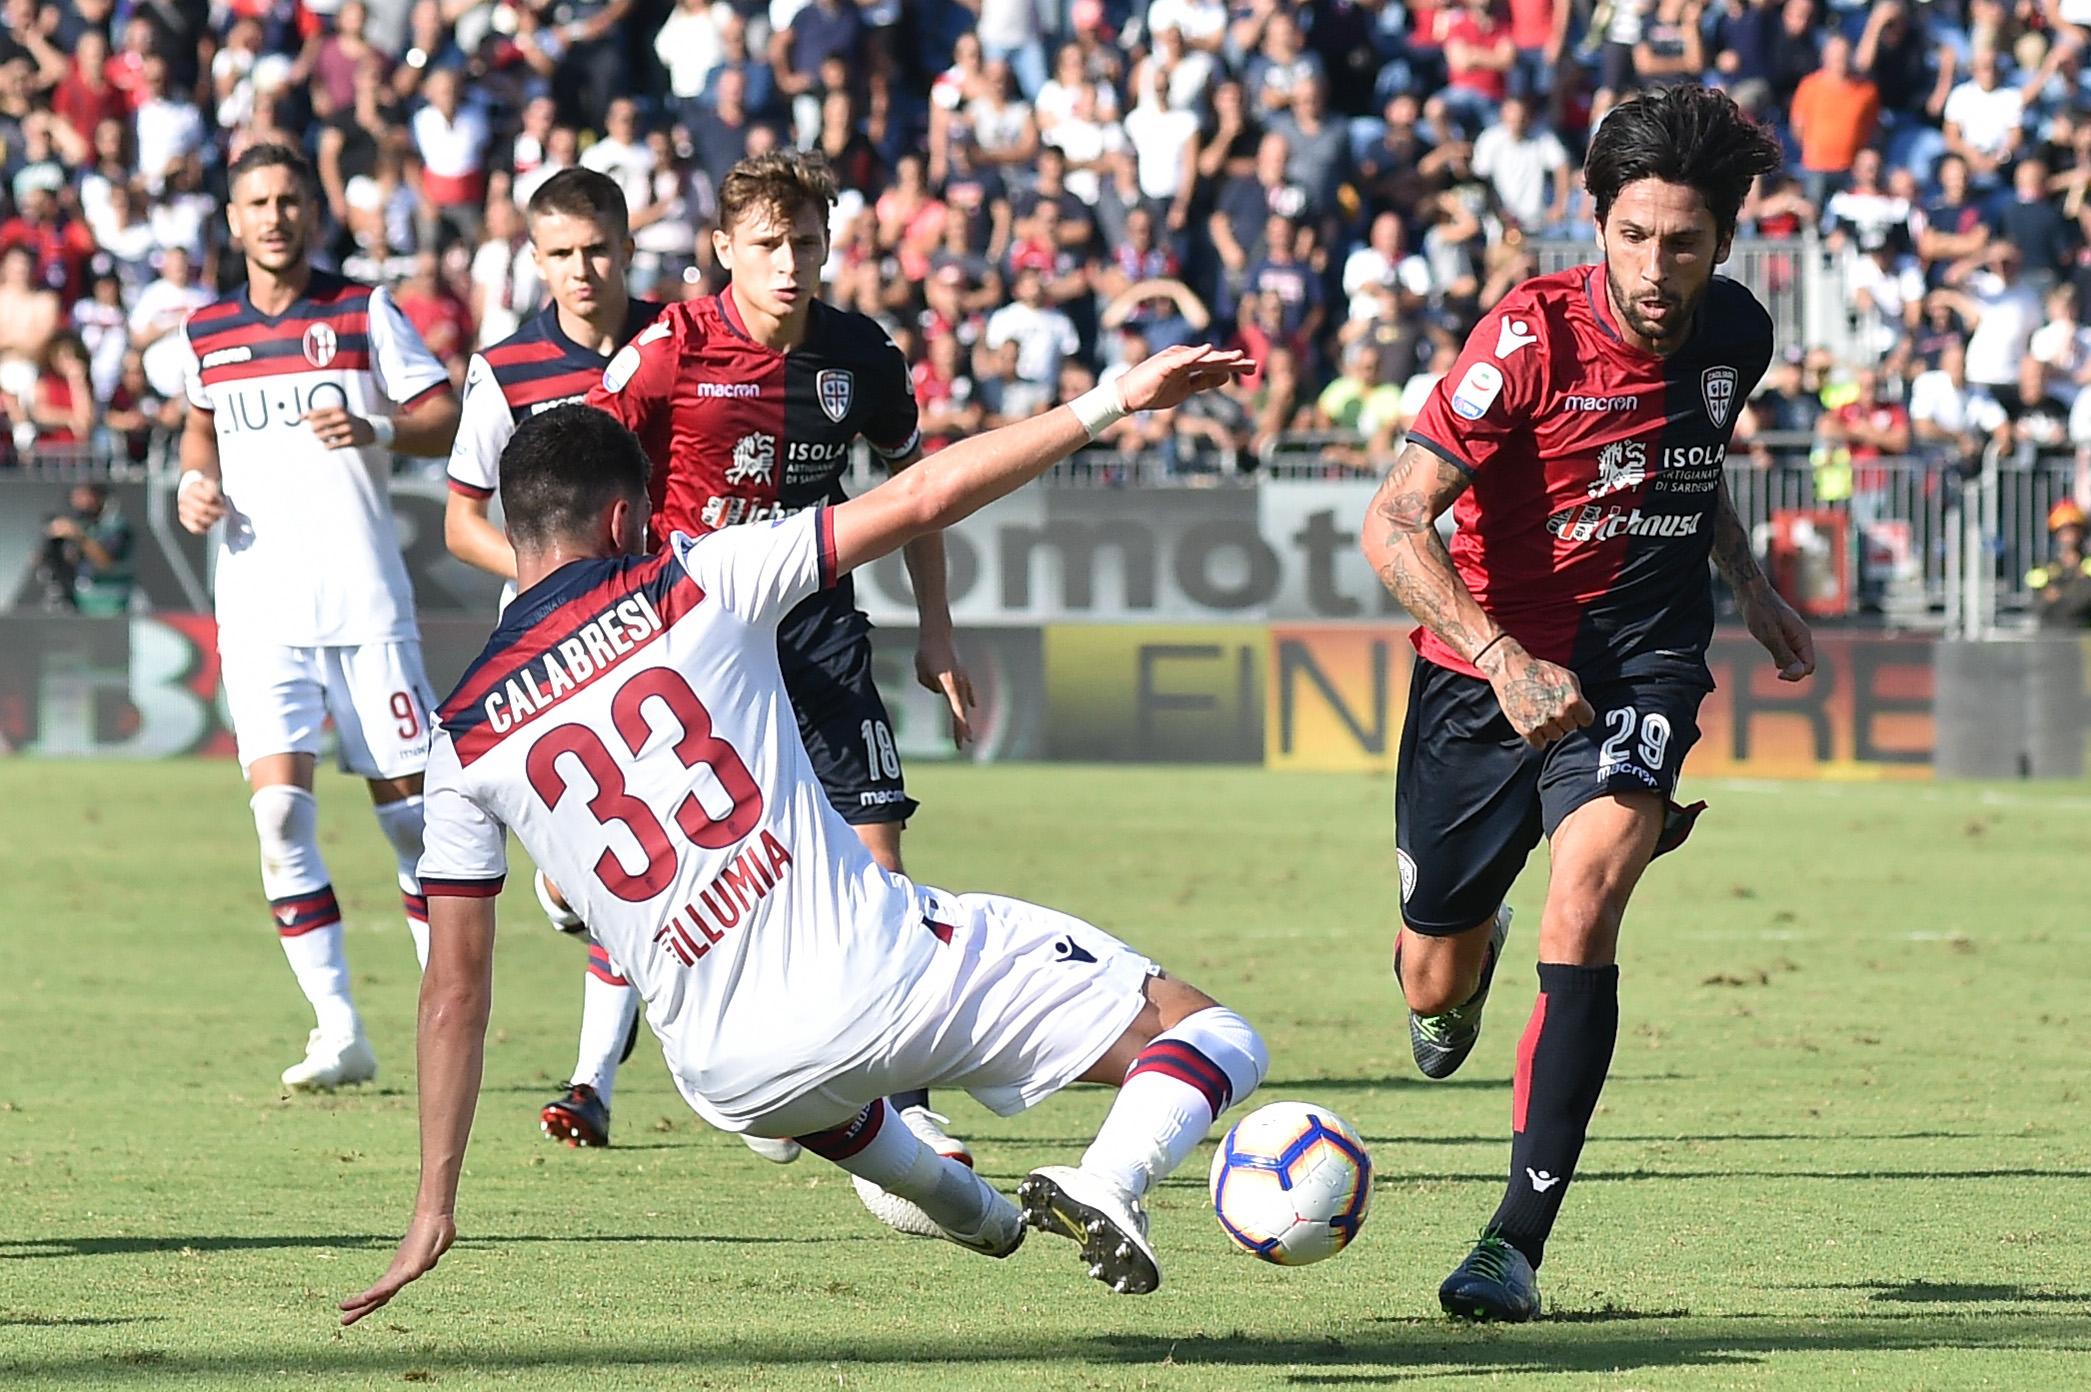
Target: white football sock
{"x": 1172, "y": 1093}
{"x": 401, "y": 823}
{"x": 608, "y": 1007}
{"x": 895, "y": 1159}
{"x": 308, "y": 920}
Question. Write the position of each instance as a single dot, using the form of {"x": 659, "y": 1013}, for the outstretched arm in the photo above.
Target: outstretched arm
{"x": 1400, "y": 538}
{"x": 1771, "y": 620}
{"x": 456, "y": 995}
{"x": 957, "y": 482}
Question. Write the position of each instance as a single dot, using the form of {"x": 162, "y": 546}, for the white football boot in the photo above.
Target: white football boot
{"x": 892, "y": 1210}
{"x": 332, "y": 1063}
{"x": 1109, "y": 1222}
{"x": 776, "y": 1152}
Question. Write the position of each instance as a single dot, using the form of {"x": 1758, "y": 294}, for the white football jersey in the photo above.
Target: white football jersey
{"x": 308, "y": 556}
{"x": 629, "y": 722}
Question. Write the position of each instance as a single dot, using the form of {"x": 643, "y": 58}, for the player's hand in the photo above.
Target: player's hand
{"x": 419, "y": 1251}
{"x": 938, "y": 669}
{"x": 199, "y": 503}
{"x": 1175, "y": 375}
{"x": 337, "y": 429}
{"x": 1542, "y": 701}
{"x": 1784, "y": 633}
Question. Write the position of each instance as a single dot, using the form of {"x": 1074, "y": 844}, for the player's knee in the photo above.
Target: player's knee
{"x": 1581, "y": 930}
{"x": 286, "y": 818}
{"x": 1436, "y": 974}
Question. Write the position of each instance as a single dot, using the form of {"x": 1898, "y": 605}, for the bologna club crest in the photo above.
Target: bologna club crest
{"x": 1717, "y": 385}
{"x": 836, "y": 387}
{"x": 320, "y": 345}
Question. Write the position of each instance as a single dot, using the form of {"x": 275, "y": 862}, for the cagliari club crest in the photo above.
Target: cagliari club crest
{"x": 835, "y": 387}
{"x": 1717, "y": 385}
{"x": 320, "y": 345}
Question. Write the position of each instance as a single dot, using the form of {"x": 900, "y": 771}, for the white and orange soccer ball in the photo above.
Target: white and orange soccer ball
{"x": 1291, "y": 1183}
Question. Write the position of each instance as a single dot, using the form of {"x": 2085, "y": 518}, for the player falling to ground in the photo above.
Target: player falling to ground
{"x": 580, "y": 239}
{"x": 1562, "y": 653}
{"x": 300, "y": 388}
{"x": 748, "y": 402}
{"x": 629, "y": 721}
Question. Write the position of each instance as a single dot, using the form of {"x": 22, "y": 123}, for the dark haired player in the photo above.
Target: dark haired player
{"x": 748, "y": 402}
{"x": 580, "y": 238}
{"x": 1562, "y": 649}
{"x": 299, "y": 387}
{"x": 629, "y": 720}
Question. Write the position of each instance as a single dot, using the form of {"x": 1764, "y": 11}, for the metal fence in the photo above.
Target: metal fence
{"x": 1913, "y": 541}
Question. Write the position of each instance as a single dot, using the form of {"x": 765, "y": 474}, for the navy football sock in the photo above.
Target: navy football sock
{"x": 1561, "y": 1065}
{"x": 903, "y": 1100}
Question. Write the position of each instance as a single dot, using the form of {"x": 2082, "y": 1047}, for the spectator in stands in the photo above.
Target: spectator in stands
{"x": 1796, "y": 51}
{"x": 2062, "y": 583}
{"x": 60, "y": 242}
{"x": 451, "y": 136}
{"x": 1951, "y": 228}
{"x": 2030, "y": 221}
{"x": 1005, "y": 135}
{"x": 1359, "y": 404}
{"x": 1950, "y": 420}
{"x": 2063, "y": 344}
{"x": 1023, "y": 347}
{"x": 1011, "y": 34}
{"x": 168, "y": 127}
{"x": 1282, "y": 64}
{"x": 157, "y": 315}
{"x": 1527, "y": 167}
{"x": 30, "y": 312}
{"x": 1177, "y": 77}
{"x": 99, "y": 318}
{"x": 1784, "y": 407}
{"x": 946, "y": 394}
{"x": 588, "y": 38}
{"x": 136, "y": 413}
{"x": 86, "y": 98}
{"x": 1834, "y": 114}
{"x": 59, "y": 409}
{"x": 1999, "y": 312}
{"x": 1887, "y": 290}
{"x": 1317, "y": 146}
{"x": 1985, "y": 120}
{"x": 1672, "y": 46}
{"x": 1479, "y": 55}
{"x": 2039, "y": 417}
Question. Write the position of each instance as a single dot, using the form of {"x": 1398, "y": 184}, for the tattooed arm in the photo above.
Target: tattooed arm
{"x": 1542, "y": 701}
{"x": 1771, "y": 620}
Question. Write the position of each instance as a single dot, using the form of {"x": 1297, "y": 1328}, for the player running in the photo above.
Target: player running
{"x": 580, "y": 238}
{"x": 292, "y": 389}
{"x": 629, "y": 721}
{"x": 748, "y": 402}
{"x": 1562, "y": 648}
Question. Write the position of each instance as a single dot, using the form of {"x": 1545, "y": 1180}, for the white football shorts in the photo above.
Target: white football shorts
{"x": 1023, "y": 1001}
{"x": 377, "y": 693}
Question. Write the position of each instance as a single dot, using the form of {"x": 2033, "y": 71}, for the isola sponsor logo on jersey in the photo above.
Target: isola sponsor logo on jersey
{"x": 1592, "y": 522}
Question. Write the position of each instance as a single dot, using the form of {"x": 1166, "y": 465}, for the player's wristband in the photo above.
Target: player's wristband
{"x": 385, "y": 430}
{"x": 1100, "y": 408}
{"x": 1486, "y": 646}
{"x": 189, "y": 476}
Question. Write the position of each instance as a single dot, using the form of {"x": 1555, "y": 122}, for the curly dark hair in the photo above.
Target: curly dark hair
{"x": 1685, "y": 134}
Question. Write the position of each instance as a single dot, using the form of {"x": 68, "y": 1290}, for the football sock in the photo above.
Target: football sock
{"x": 401, "y": 823}
{"x": 609, "y": 1004}
{"x": 1561, "y": 1065}
{"x": 903, "y": 1100}
{"x": 1178, "y": 1084}
{"x": 876, "y": 1145}
{"x": 308, "y": 920}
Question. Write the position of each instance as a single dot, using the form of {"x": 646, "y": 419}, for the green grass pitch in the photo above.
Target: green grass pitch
{"x": 1843, "y": 1144}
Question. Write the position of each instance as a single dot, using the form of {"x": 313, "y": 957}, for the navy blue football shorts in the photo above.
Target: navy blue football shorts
{"x": 1471, "y": 798}
{"x": 843, "y": 720}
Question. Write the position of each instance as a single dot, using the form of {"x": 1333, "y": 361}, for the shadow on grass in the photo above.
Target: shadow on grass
{"x": 1922, "y": 1292}
{"x": 8, "y": 1319}
{"x": 35, "y": 1248}
{"x": 1391, "y": 1351}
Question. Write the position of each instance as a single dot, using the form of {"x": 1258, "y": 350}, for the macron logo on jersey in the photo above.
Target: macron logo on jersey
{"x": 1513, "y": 335}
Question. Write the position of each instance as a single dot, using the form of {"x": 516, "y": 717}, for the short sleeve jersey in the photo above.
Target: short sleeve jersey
{"x": 1595, "y": 469}
{"x": 532, "y": 370}
{"x": 628, "y": 721}
{"x": 308, "y": 556}
{"x": 738, "y": 433}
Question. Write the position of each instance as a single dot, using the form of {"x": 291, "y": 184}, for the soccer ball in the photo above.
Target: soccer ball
{"x": 1291, "y": 1183}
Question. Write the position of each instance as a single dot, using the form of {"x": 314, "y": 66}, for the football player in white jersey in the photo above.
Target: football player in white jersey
{"x": 629, "y": 722}
{"x": 299, "y": 389}
{"x": 582, "y": 245}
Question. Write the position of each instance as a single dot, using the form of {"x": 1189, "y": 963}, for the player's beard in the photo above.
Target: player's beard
{"x": 1664, "y": 336}
{"x": 280, "y": 260}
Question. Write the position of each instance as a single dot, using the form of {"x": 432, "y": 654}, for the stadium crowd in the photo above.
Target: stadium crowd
{"x": 1038, "y": 191}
